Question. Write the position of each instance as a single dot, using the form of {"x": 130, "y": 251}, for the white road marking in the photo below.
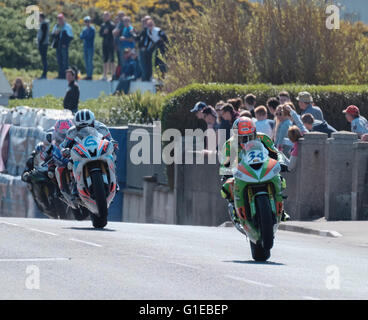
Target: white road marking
{"x": 9, "y": 224}
{"x": 34, "y": 259}
{"x": 310, "y": 298}
{"x": 184, "y": 265}
{"x": 86, "y": 242}
{"x": 41, "y": 231}
{"x": 251, "y": 282}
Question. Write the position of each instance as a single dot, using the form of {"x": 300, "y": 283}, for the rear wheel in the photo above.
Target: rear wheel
{"x": 98, "y": 186}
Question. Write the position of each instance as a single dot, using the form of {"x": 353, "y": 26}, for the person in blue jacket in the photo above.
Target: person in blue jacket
{"x": 88, "y": 37}
{"x": 129, "y": 72}
{"x": 62, "y": 34}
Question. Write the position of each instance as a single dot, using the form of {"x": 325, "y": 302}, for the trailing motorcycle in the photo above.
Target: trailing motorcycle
{"x": 93, "y": 170}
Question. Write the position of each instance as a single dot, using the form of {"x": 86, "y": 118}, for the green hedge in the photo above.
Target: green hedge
{"x": 332, "y": 100}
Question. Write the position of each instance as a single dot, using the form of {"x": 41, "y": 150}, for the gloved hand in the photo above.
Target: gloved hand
{"x": 115, "y": 144}
{"x": 65, "y": 153}
{"x": 26, "y": 177}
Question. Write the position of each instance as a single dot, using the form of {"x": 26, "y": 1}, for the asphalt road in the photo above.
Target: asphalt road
{"x": 48, "y": 259}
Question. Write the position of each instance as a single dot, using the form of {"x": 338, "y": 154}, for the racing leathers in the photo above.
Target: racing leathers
{"x": 231, "y": 153}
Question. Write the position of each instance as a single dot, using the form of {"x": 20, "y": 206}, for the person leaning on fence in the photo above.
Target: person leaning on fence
{"x": 314, "y": 125}
{"x": 71, "y": 99}
{"x": 359, "y": 124}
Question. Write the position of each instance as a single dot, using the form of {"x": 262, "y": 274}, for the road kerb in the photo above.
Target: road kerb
{"x": 299, "y": 229}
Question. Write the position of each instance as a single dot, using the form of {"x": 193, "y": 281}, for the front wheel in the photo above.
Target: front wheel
{"x": 259, "y": 253}
{"x": 265, "y": 213}
{"x": 99, "y": 222}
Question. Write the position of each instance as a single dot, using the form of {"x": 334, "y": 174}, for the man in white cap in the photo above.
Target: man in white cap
{"x": 305, "y": 101}
{"x": 88, "y": 37}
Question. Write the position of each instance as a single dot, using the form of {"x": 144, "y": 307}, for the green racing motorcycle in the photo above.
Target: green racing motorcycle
{"x": 258, "y": 198}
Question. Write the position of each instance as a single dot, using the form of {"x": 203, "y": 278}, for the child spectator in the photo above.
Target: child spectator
{"x": 245, "y": 113}
{"x": 294, "y": 135}
{"x": 359, "y": 124}
{"x": 314, "y": 125}
{"x": 19, "y": 91}
{"x": 262, "y": 124}
{"x": 283, "y": 123}
{"x": 250, "y": 103}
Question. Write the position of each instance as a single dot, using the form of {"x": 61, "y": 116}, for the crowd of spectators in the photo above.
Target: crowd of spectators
{"x": 120, "y": 40}
{"x": 278, "y": 119}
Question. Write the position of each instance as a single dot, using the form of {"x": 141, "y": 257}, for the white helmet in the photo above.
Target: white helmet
{"x": 84, "y": 118}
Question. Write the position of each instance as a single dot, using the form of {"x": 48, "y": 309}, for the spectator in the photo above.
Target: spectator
{"x": 359, "y": 124}
{"x": 294, "y": 117}
{"x": 19, "y": 91}
{"x": 210, "y": 116}
{"x": 158, "y": 45}
{"x": 108, "y": 51}
{"x": 222, "y": 123}
{"x": 71, "y": 99}
{"x": 228, "y": 113}
{"x": 263, "y": 124}
{"x": 145, "y": 58}
{"x": 250, "y": 103}
{"x": 305, "y": 101}
{"x": 272, "y": 104}
{"x": 197, "y": 109}
{"x": 237, "y": 103}
{"x": 126, "y": 39}
{"x": 245, "y": 113}
{"x": 129, "y": 72}
{"x": 119, "y": 27}
{"x": 314, "y": 125}
{"x": 283, "y": 123}
{"x": 294, "y": 135}
{"x": 62, "y": 36}
{"x": 43, "y": 43}
{"x": 88, "y": 37}
{"x": 284, "y": 97}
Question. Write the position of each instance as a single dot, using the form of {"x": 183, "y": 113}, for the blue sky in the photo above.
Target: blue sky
{"x": 356, "y": 8}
